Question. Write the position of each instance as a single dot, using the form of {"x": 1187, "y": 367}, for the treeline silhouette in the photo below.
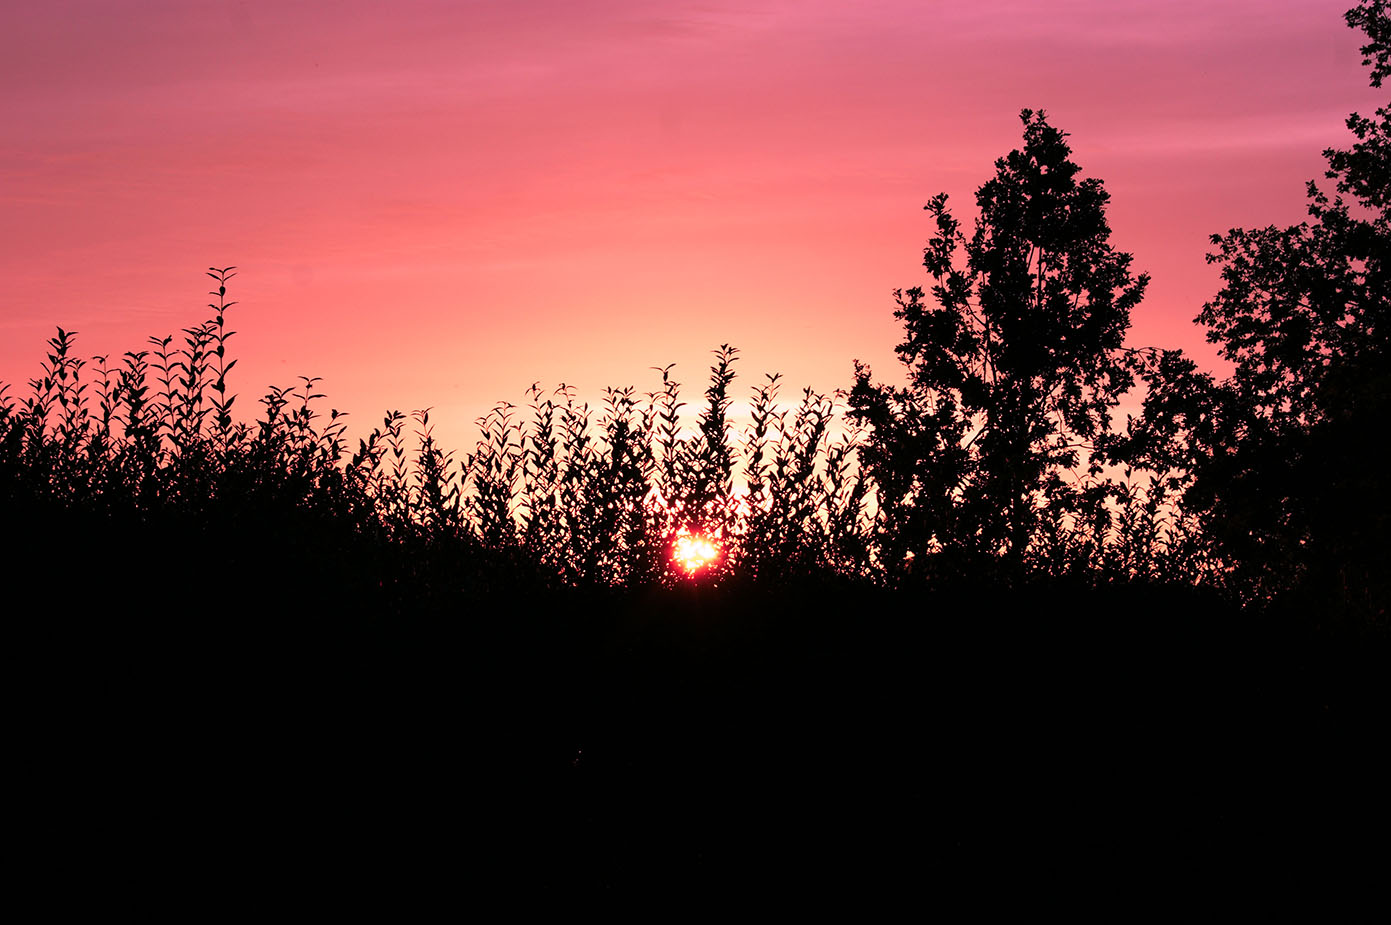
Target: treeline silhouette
{"x": 974, "y": 605}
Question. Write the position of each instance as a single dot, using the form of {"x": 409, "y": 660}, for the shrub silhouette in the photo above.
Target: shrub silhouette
{"x": 553, "y": 495}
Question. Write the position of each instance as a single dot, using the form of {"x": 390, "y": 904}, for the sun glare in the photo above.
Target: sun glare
{"x": 694, "y": 551}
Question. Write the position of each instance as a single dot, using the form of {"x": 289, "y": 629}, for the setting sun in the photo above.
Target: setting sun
{"x": 694, "y": 551}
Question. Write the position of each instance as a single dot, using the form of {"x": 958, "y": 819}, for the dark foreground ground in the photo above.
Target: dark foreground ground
{"x": 695, "y": 743}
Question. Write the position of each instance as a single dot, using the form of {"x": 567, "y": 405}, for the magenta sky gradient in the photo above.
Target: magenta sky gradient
{"x": 436, "y": 203}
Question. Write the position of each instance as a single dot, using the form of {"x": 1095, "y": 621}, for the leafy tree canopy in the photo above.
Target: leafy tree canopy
{"x": 1015, "y": 363}
{"x": 1281, "y": 452}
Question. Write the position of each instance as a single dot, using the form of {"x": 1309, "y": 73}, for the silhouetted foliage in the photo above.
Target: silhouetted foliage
{"x": 551, "y": 496}
{"x": 993, "y": 457}
{"x": 999, "y": 461}
{"x": 1284, "y": 454}
{"x": 242, "y": 639}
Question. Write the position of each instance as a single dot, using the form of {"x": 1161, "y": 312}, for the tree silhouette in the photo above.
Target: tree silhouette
{"x": 1305, "y": 315}
{"x": 1014, "y": 370}
{"x": 1285, "y": 470}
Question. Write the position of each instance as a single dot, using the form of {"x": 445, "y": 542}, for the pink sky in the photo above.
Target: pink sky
{"x": 437, "y": 203}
